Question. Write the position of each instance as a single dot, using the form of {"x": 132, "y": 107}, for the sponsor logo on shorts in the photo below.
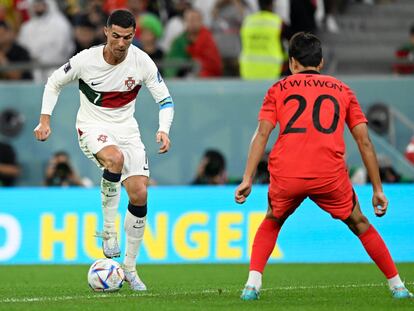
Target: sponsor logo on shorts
{"x": 103, "y": 138}
{"x": 145, "y": 168}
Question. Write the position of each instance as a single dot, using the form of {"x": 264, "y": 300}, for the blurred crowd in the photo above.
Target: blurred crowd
{"x": 198, "y": 38}
{"x": 404, "y": 55}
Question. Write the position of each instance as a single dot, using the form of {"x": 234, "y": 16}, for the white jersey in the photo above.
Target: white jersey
{"x": 108, "y": 92}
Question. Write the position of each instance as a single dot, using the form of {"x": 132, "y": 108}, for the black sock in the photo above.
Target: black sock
{"x": 109, "y": 176}
{"x": 137, "y": 211}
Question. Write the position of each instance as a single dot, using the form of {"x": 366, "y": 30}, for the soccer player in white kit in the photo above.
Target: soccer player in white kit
{"x": 110, "y": 77}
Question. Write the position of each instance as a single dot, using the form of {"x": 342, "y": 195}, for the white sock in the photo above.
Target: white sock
{"x": 395, "y": 281}
{"x": 255, "y": 279}
{"x": 110, "y": 195}
{"x": 134, "y": 229}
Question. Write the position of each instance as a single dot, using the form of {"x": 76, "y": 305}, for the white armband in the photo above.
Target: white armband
{"x": 166, "y": 115}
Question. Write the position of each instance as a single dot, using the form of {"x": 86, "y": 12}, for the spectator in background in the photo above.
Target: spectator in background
{"x": 302, "y": 16}
{"x": 175, "y": 24}
{"x": 405, "y": 56}
{"x": 137, "y": 8}
{"x": 13, "y": 13}
{"x": 197, "y": 44}
{"x": 95, "y": 14}
{"x": 112, "y": 5}
{"x": 228, "y": 16}
{"x": 151, "y": 31}
{"x": 12, "y": 53}
{"x": 262, "y": 54}
{"x": 262, "y": 174}
{"x": 69, "y": 8}
{"x": 212, "y": 169}
{"x": 389, "y": 175}
{"x": 205, "y": 7}
{"x": 47, "y": 36}
{"x": 331, "y": 10}
{"x": 60, "y": 172}
{"x": 387, "y": 172}
{"x": 85, "y": 34}
{"x": 9, "y": 167}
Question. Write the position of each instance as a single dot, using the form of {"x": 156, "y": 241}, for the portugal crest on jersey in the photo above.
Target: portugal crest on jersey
{"x": 103, "y": 138}
{"x": 130, "y": 83}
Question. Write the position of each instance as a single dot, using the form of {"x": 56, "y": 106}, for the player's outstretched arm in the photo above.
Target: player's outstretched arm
{"x": 43, "y": 130}
{"x": 163, "y": 139}
{"x": 361, "y": 136}
{"x": 59, "y": 78}
{"x": 256, "y": 151}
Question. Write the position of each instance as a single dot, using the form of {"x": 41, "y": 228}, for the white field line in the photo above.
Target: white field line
{"x": 183, "y": 293}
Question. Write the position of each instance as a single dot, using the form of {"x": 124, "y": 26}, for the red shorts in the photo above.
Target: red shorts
{"x": 334, "y": 195}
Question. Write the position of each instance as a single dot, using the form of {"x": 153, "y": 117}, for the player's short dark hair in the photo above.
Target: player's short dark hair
{"x": 306, "y": 48}
{"x": 265, "y": 4}
{"x": 122, "y": 18}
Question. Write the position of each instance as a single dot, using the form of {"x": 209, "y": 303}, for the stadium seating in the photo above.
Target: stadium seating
{"x": 369, "y": 37}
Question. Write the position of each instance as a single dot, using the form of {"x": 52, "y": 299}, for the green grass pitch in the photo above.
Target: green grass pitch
{"x": 205, "y": 287}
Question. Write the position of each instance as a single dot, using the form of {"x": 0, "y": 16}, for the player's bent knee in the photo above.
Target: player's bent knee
{"x": 359, "y": 220}
{"x": 362, "y": 225}
{"x": 364, "y": 220}
{"x": 358, "y": 225}
{"x": 114, "y": 161}
{"x": 138, "y": 197}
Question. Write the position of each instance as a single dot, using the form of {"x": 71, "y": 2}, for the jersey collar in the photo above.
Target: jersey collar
{"x": 311, "y": 72}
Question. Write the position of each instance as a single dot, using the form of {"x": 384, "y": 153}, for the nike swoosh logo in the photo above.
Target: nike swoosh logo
{"x": 108, "y": 195}
{"x": 138, "y": 227}
{"x": 145, "y": 168}
{"x": 96, "y": 83}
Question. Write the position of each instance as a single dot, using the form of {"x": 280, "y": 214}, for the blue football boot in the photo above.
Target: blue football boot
{"x": 249, "y": 293}
{"x": 401, "y": 292}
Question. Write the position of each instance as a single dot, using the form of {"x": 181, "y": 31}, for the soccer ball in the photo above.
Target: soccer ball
{"x": 105, "y": 275}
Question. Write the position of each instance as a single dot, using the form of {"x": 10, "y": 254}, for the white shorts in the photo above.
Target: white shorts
{"x": 91, "y": 141}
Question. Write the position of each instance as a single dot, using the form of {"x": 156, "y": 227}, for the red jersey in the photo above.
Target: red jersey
{"x": 205, "y": 51}
{"x": 311, "y": 110}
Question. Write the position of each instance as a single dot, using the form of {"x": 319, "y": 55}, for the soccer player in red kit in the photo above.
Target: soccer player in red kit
{"x": 308, "y": 160}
